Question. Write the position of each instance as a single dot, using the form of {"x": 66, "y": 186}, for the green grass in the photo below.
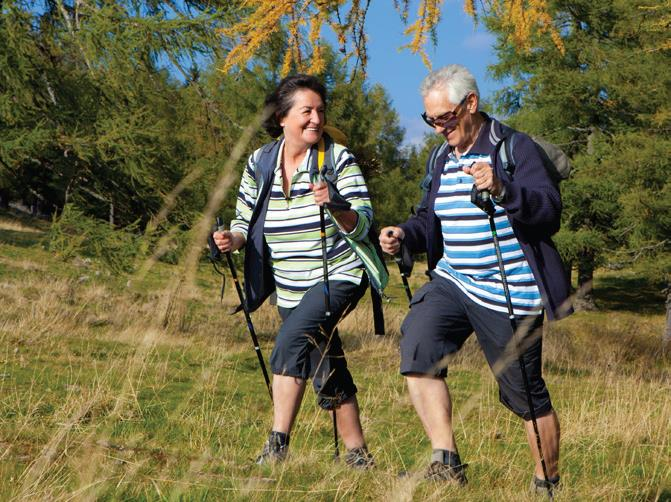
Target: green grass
{"x": 100, "y": 401}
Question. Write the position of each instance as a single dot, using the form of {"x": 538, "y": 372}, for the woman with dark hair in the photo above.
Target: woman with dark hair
{"x": 278, "y": 222}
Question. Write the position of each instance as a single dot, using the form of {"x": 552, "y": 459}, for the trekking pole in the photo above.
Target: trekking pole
{"x": 248, "y": 318}
{"x": 401, "y": 270}
{"x": 325, "y": 265}
{"x": 486, "y": 204}
{"x": 336, "y": 453}
{"x": 327, "y": 304}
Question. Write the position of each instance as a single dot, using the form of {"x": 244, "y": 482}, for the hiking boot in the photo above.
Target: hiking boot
{"x": 543, "y": 488}
{"x": 446, "y": 466}
{"x": 274, "y": 449}
{"x": 359, "y": 458}
{"x": 438, "y": 471}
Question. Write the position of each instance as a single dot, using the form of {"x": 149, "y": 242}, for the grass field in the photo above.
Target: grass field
{"x": 109, "y": 391}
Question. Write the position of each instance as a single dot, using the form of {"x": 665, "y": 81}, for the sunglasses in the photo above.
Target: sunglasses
{"x": 446, "y": 119}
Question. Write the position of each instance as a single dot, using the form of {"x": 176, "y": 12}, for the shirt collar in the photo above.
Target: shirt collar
{"x": 305, "y": 163}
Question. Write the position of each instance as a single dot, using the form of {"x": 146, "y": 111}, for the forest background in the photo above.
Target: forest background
{"x": 126, "y": 126}
{"x": 108, "y": 108}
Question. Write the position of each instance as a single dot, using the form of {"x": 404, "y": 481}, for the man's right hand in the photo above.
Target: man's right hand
{"x": 390, "y": 239}
{"x": 228, "y": 241}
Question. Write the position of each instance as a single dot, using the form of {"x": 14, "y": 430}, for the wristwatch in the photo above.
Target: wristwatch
{"x": 502, "y": 195}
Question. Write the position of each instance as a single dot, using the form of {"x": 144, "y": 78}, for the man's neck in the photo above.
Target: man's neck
{"x": 472, "y": 133}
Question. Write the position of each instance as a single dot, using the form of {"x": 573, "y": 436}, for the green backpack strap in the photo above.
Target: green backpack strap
{"x": 365, "y": 249}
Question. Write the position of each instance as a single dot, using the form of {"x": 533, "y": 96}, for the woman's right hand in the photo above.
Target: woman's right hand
{"x": 390, "y": 239}
{"x": 228, "y": 241}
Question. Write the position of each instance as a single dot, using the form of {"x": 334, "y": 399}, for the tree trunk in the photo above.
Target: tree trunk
{"x": 583, "y": 297}
{"x": 568, "y": 273}
{"x": 667, "y": 330}
{"x": 4, "y": 195}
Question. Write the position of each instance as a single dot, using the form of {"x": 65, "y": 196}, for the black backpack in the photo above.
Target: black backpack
{"x": 555, "y": 161}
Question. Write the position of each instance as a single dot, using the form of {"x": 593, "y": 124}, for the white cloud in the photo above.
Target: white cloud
{"x": 479, "y": 41}
{"x": 415, "y": 130}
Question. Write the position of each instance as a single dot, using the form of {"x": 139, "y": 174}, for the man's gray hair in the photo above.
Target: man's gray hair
{"x": 454, "y": 79}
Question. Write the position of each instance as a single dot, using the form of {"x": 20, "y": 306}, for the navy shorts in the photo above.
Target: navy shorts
{"x": 440, "y": 320}
{"x": 308, "y": 345}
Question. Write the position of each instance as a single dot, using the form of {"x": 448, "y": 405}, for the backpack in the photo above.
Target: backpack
{"x": 555, "y": 161}
{"x": 368, "y": 250}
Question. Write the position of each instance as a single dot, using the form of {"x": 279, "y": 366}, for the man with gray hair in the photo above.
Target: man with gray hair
{"x": 468, "y": 291}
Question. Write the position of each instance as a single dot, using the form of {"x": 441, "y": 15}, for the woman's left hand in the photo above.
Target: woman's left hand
{"x": 321, "y": 193}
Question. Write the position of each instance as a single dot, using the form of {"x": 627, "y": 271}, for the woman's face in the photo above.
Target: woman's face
{"x": 304, "y": 122}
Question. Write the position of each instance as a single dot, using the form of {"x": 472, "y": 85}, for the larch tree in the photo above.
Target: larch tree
{"x": 305, "y": 19}
{"x": 88, "y": 106}
{"x": 605, "y": 100}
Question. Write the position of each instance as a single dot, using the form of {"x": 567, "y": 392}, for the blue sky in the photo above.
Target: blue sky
{"x": 401, "y": 72}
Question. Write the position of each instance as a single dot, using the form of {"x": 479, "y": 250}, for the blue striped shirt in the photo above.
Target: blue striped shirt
{"x": 469, "y": 258}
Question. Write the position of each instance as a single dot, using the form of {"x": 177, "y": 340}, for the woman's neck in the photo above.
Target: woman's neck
{"x": 293, "y": 154}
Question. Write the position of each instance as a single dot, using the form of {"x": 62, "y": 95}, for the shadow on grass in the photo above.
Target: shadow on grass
{"x": 21, "y": 230}
{"x": 557, "y": 369}
{"x": 662, "y": 496}
{"x": 23, "y": 239}
{"x": 628, "y": 293}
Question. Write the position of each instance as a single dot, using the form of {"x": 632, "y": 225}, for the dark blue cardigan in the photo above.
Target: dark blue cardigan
{"x": 532, "y": 203}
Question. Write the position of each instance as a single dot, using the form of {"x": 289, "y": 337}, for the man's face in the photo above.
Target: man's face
{"x": 452, "y": 120}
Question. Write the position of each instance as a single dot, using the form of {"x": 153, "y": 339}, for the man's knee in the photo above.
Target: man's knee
{"x": 517, "y": 401}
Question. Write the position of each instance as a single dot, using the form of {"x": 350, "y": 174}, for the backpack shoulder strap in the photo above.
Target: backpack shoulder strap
{"x": 265, "y": 161}
{"x": 323, "y": 159}
{"x": 436, "y": 152}
{"x": 505, "y": 148}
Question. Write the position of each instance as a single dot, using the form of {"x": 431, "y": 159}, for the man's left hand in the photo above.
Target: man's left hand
{"x": 484, "y": 178}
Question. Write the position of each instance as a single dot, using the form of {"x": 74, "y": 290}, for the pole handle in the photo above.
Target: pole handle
{"x": 220, "y": 224}
{"x": 397, "y": 256}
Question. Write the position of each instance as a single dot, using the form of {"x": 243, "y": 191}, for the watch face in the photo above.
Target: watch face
{"x": 499, "y": 198}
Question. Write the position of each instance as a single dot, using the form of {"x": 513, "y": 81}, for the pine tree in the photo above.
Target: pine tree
{"x": 87, "y": 107}
{"x": 605, "y": 101}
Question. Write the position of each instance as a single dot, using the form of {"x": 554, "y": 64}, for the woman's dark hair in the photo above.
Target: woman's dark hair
{"x": 281, "y": 99}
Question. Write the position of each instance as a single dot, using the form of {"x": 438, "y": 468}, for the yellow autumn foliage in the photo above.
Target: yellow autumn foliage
{"x": 303, "y": 21}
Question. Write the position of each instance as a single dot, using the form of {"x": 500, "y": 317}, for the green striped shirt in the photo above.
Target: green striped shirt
{"x": 291, "y": 226}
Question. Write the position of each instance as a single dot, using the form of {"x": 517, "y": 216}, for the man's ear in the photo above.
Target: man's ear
{"x": 472, "y": 103}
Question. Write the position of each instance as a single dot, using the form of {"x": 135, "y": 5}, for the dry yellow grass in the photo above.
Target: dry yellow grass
{"x": 100, "y": 400}
{"x": 17, "y": 226}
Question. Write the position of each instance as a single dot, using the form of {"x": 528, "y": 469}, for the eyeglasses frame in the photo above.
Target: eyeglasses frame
{"x": 444, "y": 119}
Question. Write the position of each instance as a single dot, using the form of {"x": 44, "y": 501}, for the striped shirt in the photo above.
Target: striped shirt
{"x": 469, "y": 258}
{"x": 292, "y": 230}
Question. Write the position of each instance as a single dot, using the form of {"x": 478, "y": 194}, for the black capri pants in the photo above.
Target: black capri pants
{"x": 440, "y": 320}
{"x": 308, "y": 345}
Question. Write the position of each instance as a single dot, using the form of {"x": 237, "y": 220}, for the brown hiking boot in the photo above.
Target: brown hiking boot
{"x": 439, "y": 471}
{"x": 274, "y": 449}
{"x": 359, "y": 458}
{"x": 446, "y": 466}
{"x": 545, "y": 488}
